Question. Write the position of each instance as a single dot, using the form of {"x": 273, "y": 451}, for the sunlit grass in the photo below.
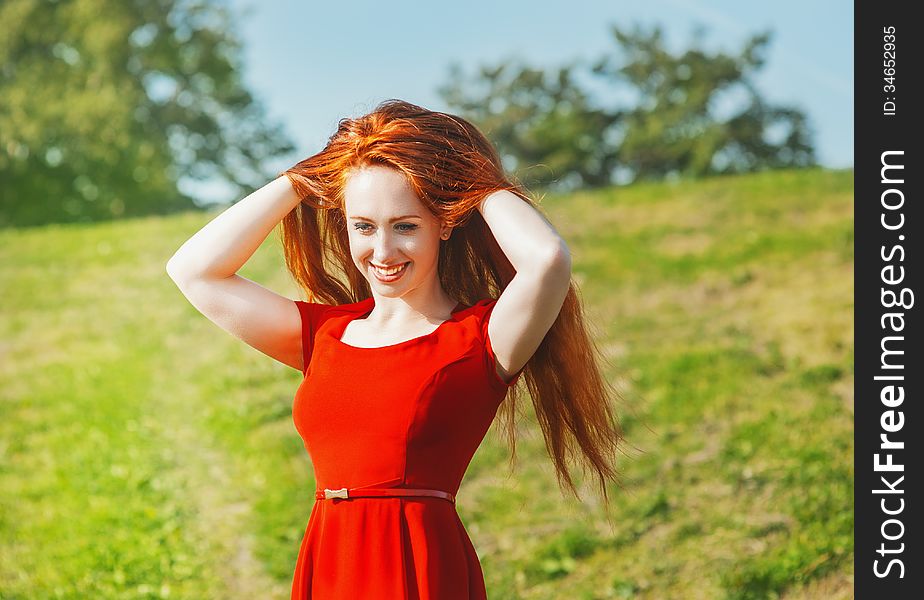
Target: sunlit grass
{"x": 144, "y": 453}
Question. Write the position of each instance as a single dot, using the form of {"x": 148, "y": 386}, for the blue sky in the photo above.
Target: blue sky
{"x": 313, "y": 63}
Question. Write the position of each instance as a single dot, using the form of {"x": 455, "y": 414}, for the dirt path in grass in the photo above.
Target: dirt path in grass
{"x": 224, "y": 517}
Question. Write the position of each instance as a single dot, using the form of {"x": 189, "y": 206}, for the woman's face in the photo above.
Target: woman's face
{"x": 390, "y": 227}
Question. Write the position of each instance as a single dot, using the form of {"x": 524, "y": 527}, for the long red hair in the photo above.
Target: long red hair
{"x": 452, "y": 166}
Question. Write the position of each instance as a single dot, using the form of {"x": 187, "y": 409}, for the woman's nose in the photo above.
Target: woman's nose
{"x": 383, "y": 248}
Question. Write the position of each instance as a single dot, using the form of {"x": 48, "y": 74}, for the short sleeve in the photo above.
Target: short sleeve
{"x": 311, "y": 313}
{"x": 486, "y": 307}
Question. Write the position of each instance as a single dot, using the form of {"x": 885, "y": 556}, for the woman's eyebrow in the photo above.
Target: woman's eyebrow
{"x": 390, "y": 220}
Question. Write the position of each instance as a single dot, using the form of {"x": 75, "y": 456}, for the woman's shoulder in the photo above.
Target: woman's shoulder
{"x": 484, "y": 304}
{"x": 317, "y": 312}
{"x": 346, "y": 308}
{"x": 480, "y": 308}
{"x": 477, "y": 314}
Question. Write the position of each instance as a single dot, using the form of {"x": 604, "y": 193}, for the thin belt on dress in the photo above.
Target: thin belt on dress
{"x": 327, "y": 494}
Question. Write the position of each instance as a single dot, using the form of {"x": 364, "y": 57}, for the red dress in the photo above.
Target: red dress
{"x": 406, "y": 415}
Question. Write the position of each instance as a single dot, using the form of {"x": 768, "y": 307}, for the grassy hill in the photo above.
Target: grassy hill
{"x": 145, "y": 453}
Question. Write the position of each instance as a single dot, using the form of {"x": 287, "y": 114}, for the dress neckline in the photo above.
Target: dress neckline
{"x": 341, "y": 330}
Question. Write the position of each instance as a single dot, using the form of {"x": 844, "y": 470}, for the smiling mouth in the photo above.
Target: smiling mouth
{"x": 391, "y": 271}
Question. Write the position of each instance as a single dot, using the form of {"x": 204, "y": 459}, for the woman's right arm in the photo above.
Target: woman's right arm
{"x": 205, "y": 270}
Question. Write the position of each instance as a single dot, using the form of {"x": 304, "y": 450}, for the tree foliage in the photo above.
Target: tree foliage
{"x": 108, "y": 104}
{"x": 672, "y": 126}
{"x": 541, "y": 122}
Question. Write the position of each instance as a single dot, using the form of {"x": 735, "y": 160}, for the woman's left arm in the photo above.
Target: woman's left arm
{"x": 532, "y": 300}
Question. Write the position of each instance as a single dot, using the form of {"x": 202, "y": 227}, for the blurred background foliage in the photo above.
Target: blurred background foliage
{"x": 676, "y": 123}
{"x": 105, "y": 118}
{"x": 100, "y": 118}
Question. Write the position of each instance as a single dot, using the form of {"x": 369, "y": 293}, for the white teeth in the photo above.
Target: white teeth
{"x": 390, "y": 271}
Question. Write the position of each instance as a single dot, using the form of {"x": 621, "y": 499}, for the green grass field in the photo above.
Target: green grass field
{"x": 145, "y": 453}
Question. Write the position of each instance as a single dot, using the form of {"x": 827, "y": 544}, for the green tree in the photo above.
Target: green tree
{"x": 675, "y": 128}
{"x": 542, "y": 123}
{"x": 108, "y": 104}
{"x": 551, "y": 135}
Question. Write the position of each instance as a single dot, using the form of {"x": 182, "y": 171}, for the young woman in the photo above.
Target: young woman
{"x": 433, "y": 284}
